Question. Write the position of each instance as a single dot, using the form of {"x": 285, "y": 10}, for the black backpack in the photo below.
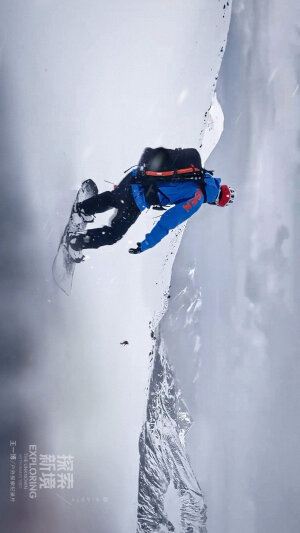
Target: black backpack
{"x": 159, "y": 165}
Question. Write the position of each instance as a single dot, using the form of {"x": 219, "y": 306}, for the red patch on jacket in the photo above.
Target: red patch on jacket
{"x": 193, "y": 201}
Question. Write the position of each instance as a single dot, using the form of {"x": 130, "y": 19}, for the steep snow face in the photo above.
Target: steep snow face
{"x": 84, "y": 89}
{"x": 240, "y": 343}
{"x": 167, "y": 484}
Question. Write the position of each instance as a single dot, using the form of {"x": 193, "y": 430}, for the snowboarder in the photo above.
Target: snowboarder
{"x": 162, "y": 179}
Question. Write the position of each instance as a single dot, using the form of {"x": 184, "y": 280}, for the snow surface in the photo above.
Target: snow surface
{"x": 164, "y": 463}
{"x": 84, "y": 88}
{"x": 242, "y": 386}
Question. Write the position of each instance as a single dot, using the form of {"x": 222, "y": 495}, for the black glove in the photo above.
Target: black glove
{"x": 136, "y": 250}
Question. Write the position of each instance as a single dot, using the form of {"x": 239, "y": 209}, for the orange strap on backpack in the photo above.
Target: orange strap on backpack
{"x": 172, "y": 172}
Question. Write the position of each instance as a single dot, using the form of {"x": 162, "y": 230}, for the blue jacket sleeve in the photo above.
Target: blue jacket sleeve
{"x": 172, "y": 218}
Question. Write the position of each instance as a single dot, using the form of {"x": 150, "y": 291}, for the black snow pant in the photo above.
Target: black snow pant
{"x": 127, "y": 212}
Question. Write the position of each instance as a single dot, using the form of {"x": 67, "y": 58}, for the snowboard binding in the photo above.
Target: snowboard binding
{"x": 74, "y": 243}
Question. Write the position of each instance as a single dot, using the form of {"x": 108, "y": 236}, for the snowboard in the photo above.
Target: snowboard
{"x": 63, "y": 265}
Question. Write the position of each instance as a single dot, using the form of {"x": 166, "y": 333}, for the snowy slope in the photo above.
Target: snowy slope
{"x": 167, "y": 484}
{"x": 85, "y": 87}
{"x": 236, "y": 293}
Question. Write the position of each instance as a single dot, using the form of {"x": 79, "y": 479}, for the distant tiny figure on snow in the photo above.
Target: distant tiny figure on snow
{"x": 124, "y": 343}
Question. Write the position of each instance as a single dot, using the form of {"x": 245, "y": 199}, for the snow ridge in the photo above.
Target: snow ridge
{"x": 164, "y": 463}
{"x": 164, "y": 460}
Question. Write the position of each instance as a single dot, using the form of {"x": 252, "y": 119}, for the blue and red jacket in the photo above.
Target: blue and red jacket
{"x": 186, "y": 197}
